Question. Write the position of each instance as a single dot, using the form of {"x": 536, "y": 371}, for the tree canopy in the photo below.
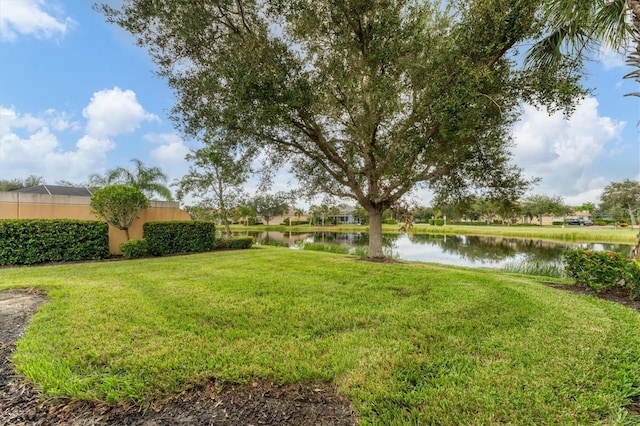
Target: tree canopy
{"x": 216, "y": 176}
{"x": 118, "y": 205}
{"x": 14, "y": 184}
{"x": 364, "y": 99}
{"x": 539, "y": 205}
{"x": 620, "y": 199}
{"x": 269, "y": 205}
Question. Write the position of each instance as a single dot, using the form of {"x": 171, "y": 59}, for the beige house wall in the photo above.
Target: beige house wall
{"x": 15, "y": 205}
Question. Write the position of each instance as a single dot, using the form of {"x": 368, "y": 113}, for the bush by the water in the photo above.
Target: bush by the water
{"x": 179, "y": 236}
{"x": 30, "y": 241}
{"x": 235, "y": 243}
{"x": 134, "y": 249}
{"x": 603, "y": 270}
{"x": 436, "y": 222}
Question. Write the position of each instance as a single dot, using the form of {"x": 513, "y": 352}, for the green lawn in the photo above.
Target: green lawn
{"x": 408, "y": 343}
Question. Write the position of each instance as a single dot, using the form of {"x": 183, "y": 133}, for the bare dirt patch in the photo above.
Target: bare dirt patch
{"x": 209, "y": 404}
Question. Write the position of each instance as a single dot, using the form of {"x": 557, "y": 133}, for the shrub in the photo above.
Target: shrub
{"x": 390, "y": 222}
{"x": 30, "y": 241}
{"x": 436, "y": 222}
{"x": 119, "y": 205}
{"x": 603, "y": 270}
{"x": 134, "y": 249}
{"x": 234, "y": 243}
{"x": 240, "y": 243}
{"x": 179, "y": 236}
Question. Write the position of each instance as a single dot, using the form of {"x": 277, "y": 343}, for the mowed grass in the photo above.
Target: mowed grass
{"x": 408, "y": 343}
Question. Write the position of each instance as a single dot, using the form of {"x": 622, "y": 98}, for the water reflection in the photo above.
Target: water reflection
{"x": 461, "y": 250}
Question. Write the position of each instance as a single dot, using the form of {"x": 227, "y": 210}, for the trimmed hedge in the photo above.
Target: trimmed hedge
{"x": 603, "y": 270}
{"x": 134, "y": 249}
{"x": 31, "y": 241}
{"x": 436, "y": 222}
{"x": 235, "y": 243}
{"x": 179, "y": 236}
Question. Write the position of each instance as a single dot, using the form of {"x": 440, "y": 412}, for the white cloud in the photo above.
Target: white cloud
{"x": 113, "y": 112}
{"x": 61, "y": 121}
{"x": 171, "y": 150}
{"x": 30, "y": 17}
{"x": 170, "y": 153}
{"x": 29, "y": 144}
{"x": 562, "y": 151}
{"x": 610, "y": 58}
{"x": 41, "y": 153}
{"x": 10, "y": 119}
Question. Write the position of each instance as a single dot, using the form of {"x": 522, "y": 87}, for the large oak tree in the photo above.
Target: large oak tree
{"x": 365, "y": 99}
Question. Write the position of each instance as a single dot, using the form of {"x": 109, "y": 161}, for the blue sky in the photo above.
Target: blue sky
{"x": 78, "y": 97}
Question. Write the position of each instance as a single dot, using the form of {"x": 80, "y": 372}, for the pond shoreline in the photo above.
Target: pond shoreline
{"x": 494, "y": 252}
{"x": 589, "y": 234}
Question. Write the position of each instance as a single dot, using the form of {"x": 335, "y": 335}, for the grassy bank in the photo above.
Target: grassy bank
{"x": 408, "y": 343}
{"x": 578, "y": 234}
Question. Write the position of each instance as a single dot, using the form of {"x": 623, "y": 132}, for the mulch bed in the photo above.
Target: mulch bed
{"x": 614, "y": 295}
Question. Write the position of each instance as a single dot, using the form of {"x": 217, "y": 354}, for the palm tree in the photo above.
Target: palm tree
{"x": 577, "y": 26}
{"x": 580, "y": 24}
{"x": 149, "y": 180}
{"x": 314, "y": 212}
{"x": 298, "y": 213}
{"x": 333, "y": 213}
{"x": 324, "y": 210}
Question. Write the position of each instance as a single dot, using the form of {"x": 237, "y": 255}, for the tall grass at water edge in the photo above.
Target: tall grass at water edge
{"x": 543, "y": 269}
{"x": 359, "y": 251}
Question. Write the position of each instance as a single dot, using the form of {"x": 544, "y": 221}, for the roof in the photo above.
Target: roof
{"x": 56, "y": 190}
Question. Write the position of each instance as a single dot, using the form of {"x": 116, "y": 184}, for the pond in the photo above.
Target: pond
{"x": 460, "y": 250}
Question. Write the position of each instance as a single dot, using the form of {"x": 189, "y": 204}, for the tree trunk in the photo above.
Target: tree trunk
{"x": 227, "y": 228}
{"x": 633, "y": 218}
{"x": 375, "y": 234}
{"x": 126, "y": 232}
{"x": 635, "y": 252}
